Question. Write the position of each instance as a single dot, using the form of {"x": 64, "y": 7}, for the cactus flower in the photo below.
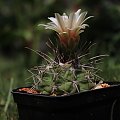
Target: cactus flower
{"x": 69, "y": 27}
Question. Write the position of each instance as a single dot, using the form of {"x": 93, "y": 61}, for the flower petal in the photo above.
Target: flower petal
{"x": 77, "y": 13}
{"x": 65, "y": 19}
{"x": 60, "y": 21}
{"x": 80, "y": 19}
{"x": 71, "y": 19}
{"x": 54, "y": 20}
{"x": 87, "y": 19}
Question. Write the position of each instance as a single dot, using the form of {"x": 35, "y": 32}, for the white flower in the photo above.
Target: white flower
{"x": 68, "y": 27}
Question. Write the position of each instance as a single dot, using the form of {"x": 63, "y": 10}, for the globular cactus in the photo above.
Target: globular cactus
{"x": 71, "y": 70}
{"x": 56, "y": 78}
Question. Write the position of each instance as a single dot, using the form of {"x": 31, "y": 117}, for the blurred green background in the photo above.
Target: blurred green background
{"x": 18, "y": 29}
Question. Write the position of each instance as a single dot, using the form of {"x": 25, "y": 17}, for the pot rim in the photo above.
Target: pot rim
{"x": 14, "y": 91}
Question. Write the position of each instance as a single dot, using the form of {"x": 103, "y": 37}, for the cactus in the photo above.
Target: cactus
{"x": 71, "y": 70}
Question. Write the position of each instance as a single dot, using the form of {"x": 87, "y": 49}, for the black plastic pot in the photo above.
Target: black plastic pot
{"x": 99, "y": 104}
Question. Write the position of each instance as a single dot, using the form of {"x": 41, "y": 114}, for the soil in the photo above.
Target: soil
{"x": 29, "y": 90}
{"x": 33, "y": 91}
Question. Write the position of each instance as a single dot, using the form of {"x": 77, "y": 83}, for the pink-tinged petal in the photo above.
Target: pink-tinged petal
{"x": 71, "y": 19}
{"x": 54, "y": 20}
{"x": 80, "y": 28}
{"x": 54, "y": 25}
{"x": 77, "y": 13}
{"x": 84, "y": 25}
{"x": 42, "y": 25}
{"x": 65, "y": 19}
{"x": 60, "y": 21}
{"x": 87, "y": 19}
{"x": 79, "y": 31}
{"x": 81, "y": 18}
{"x": 52, "y": 28}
